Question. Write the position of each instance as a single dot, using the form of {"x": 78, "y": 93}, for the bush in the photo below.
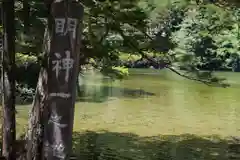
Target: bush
{"x": 122, "y": 71}
{"x": 27, "y": 70}
{"x": 24, "y": 94}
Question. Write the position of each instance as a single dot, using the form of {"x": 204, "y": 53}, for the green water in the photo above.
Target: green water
{"x": 151, "y": 103}
{"x": 152, "y": 116}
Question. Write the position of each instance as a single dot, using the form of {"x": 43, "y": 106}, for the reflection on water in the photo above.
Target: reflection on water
{"x": 152, "y": 104}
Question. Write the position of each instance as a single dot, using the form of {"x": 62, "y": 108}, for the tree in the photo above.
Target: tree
{"x": 195, "y": 42}
{"x": 8, "y": 81}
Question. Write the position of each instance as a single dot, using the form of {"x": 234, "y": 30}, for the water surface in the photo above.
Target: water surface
{"x": 153, "y": 102}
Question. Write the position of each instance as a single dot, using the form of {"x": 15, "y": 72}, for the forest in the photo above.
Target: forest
{"x": 123, "y": 43}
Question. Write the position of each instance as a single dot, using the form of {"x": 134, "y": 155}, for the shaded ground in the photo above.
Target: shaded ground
{"x": 126, "y": 146}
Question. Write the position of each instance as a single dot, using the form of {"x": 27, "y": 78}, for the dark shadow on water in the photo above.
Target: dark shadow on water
{"x": 104, "y": 94}
{"x": 126, "y": 146}
{"x": 107, "y": 92}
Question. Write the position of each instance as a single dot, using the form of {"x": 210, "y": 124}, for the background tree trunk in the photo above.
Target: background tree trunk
{"x": 8, "y": 81}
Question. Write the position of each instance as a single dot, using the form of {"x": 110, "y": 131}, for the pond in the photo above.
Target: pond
{"x": 151, "y": 102}
{"x": 154, "y": 115}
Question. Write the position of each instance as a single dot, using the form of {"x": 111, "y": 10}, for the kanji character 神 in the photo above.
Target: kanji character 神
{"x": 63, "y": 64}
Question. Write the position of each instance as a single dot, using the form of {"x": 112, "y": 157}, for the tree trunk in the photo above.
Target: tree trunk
{"x": 35, "y": 133}
{"x": 62, "y": 78}
{"x": 8, "y": 82}
{"x": 51, "y": 124}
{"x": 34, "y": 137}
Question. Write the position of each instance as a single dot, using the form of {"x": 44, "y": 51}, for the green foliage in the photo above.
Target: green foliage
{"x": 228, "y": 41}
{"x": 27, "y": 70}
{"x": 115, "y": 72}
{"x": 207, "y": 34}
{"x": 188, "y": 32}
{"x": 24, "y": 94}
{"x": 23, "y": 59}
{"x": 122, "y": 71}
{"x": 206, "y": 39}
{"x": 104, "y": 24}
{"x": 112, "y": 71}
{"x": 30, "y": 26}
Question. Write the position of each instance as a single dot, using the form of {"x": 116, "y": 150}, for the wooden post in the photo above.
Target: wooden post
{"x": 63, "y": 65}
{"x": 8, "y": 81}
